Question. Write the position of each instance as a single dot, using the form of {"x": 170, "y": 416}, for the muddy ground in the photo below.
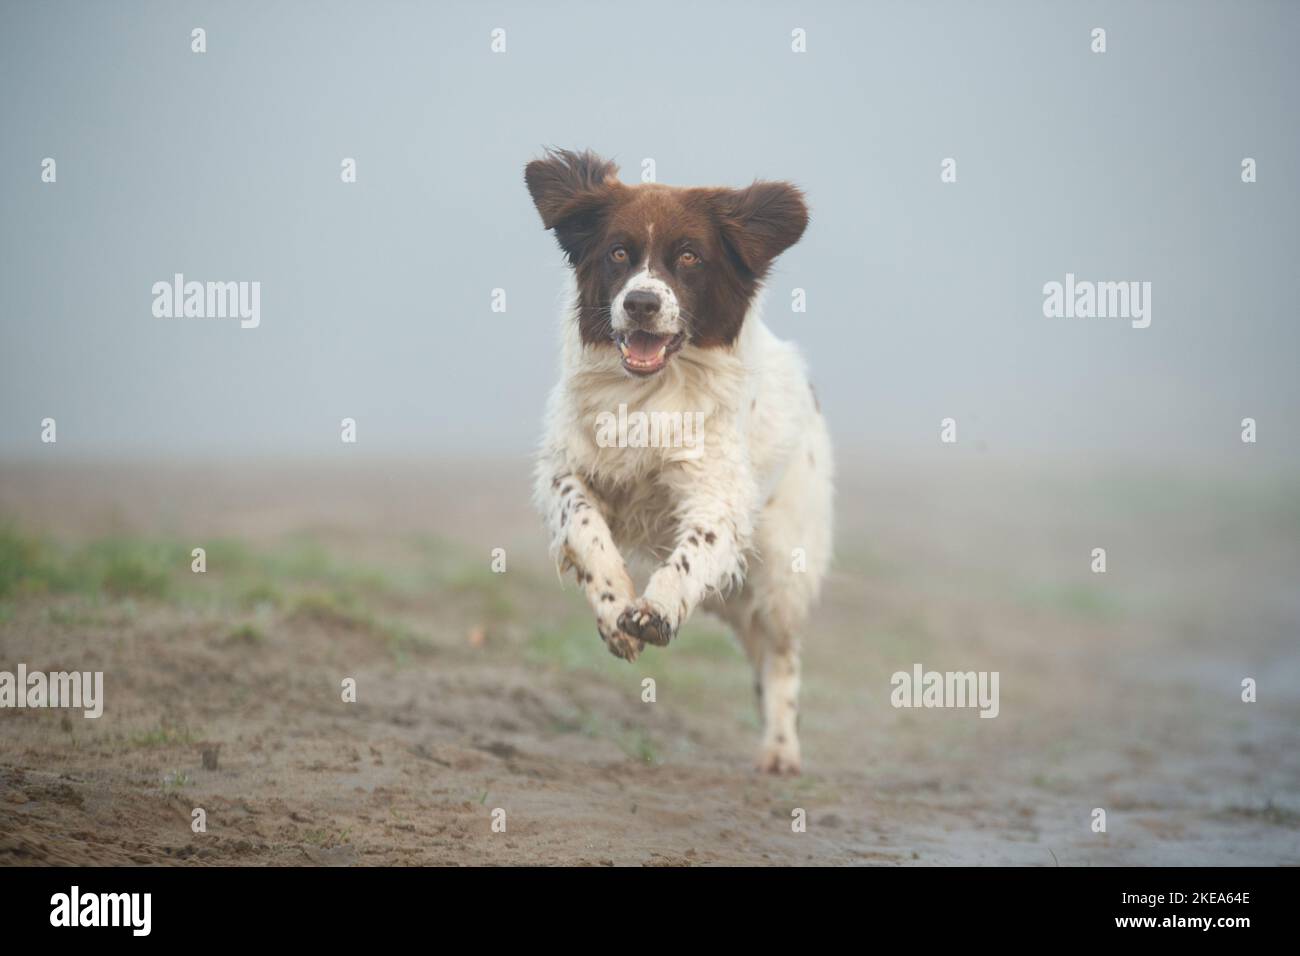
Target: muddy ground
{"x": 479, "y": 691}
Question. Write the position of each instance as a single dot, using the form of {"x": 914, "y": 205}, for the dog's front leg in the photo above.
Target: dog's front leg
{"x": 580, "y": 539}
{"x": 713, "y": 533}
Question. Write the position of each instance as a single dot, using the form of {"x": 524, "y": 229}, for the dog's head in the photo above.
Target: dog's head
{"x": 661, "y": 267}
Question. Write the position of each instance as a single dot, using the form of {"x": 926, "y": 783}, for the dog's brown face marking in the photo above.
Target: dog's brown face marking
{"x": 711, "y": 247}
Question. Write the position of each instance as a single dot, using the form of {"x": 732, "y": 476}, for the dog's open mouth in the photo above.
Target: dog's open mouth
{"x": 645, "y": 353}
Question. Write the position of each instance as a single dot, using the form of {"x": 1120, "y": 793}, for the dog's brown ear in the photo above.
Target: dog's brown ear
{"x": 572, "y": 191}
{"x": 760, "y": 222}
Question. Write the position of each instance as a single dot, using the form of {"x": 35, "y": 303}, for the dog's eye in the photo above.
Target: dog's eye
{"x": 688, "y": 258}
{"x": 618, "y": 254}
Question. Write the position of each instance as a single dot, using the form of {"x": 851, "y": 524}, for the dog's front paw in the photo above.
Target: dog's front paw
{"x": 646, "y": 621}
{"x": 621, "y": 644}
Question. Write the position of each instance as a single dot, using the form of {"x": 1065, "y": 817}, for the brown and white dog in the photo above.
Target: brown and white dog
{"x": 663, "y": 321}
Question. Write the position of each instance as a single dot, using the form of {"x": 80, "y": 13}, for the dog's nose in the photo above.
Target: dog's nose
{"x": 641, "y": 305}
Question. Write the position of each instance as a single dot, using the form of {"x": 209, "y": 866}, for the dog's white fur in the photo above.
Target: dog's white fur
{"x": 744, "y": 528}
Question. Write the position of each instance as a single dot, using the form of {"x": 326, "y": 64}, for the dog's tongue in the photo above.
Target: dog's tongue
{"x": 644, "y": 347}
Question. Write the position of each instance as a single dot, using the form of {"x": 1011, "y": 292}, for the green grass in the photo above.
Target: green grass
{"x": 332, "y": 608}
{"x": 575, "y": 645}
{"x": 708, "y": 644}
{"x": 344, "y": 610}
{"x": 635, "y": 741}
{"x": 299, "y": 578}
{"x": 247, "y": 634}
{"x": 128, "y": 568}
{"x": 261, "y": 594}
{"x": 1075, "y": 600}
{"x": 327, "y": 839}
{"x": 117, "y": 567}
{"x": 485, "y": 589}
{"x": 164, "y": 735}
{"x": 160, "y": 569}
{"x": 78, "y": 613}
{"x": 701, "y": 667}
{"x": 24, "y": 567}
{"x": 175, "y": 781}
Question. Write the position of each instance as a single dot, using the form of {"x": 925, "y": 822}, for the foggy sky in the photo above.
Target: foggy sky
{"x": 924, "y": 298}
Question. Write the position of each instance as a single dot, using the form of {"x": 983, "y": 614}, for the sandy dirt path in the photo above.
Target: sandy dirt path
{"x": 481, "y": 691}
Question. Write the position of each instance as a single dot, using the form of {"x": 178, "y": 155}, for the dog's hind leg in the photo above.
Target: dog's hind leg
{"x": 774, "y": 653}
{"x": 772, "y": 647}
{"x": 771, "y": 614}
